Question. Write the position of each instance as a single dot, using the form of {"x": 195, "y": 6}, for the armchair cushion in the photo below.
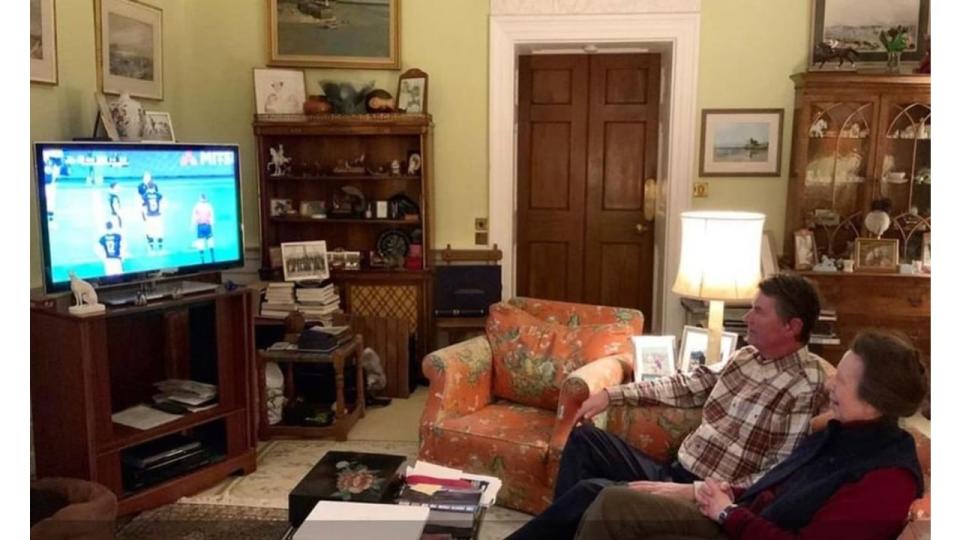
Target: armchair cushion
{"x": 532, "y": 357}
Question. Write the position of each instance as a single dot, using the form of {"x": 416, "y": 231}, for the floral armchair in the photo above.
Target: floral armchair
{"x": 659, "y": 430}
{"x": 504, "y": 403}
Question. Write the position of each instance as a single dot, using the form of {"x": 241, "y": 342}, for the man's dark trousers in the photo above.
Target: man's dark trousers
{"x": 592, "y": 460}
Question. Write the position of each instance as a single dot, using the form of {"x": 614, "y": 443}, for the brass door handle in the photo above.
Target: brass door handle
{"x": 641, "y": 228}
{"x": 650, "y": 199}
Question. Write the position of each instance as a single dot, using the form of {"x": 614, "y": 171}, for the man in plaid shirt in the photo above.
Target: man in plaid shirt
{"x": 755, "y": 411}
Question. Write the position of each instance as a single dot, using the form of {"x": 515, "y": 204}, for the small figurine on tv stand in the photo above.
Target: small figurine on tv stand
{"x": 86, "y": 298}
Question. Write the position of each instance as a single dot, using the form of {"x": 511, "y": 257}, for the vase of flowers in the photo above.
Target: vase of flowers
{"x": 895, "y": 40}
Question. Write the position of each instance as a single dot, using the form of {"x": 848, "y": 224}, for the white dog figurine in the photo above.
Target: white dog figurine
{"x": 85, "y": 296}
{"x": 818, "y": 128}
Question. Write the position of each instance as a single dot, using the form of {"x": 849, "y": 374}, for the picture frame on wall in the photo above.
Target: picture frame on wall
{"x": 877, "y": 255}
{"x": 305, "y": 260}
{"x": 741, "y": 142}
{"x": 279, "y": 91}
{"x": 129, "y": 45}
{"x": 857, "y": 24}
{"x": 350, "y": 35}
{"x": 654, "y": 357}
{"x": 412, "y": 92}
{"x": 693, "y": 347}
{"x": 43, "y": 41}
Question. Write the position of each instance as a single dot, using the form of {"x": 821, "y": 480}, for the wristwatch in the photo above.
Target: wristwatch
{"x": 725, "y": 513}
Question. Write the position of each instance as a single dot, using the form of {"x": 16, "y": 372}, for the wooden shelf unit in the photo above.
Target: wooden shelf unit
{"x": 83, "y": 370}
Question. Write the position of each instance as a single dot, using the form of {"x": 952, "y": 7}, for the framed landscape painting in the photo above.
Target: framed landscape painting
{"x": 43, "y": 42}
{"x": 329, "y": 33}
{"x": 741, "y": 142}
{"x": 129, "y": 48}
{"x": 858, "y": 23}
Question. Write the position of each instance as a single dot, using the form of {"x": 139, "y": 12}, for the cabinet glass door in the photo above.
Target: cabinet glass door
{"x": 905, "y": 174}
{"x": 837, "y": 164}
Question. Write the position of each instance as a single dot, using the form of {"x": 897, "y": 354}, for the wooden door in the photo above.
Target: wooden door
{"x": 587, "y": 140}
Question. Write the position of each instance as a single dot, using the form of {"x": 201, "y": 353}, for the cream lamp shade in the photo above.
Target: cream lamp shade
{"x": 719, "y": 262}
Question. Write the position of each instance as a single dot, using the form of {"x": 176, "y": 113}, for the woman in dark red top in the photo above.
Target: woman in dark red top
{"x": 853, "y": 480}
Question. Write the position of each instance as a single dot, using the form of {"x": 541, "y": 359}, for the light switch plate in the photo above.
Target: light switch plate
{"x": 480, "y": 238}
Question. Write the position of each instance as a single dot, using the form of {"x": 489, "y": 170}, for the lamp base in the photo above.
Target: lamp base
{"x": 715, "y": 328}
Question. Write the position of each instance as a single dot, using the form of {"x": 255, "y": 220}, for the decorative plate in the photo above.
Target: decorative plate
{"x": 393, "y": 243}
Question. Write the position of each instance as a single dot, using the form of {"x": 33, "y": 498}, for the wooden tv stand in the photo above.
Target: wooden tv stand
{"x": 83, "y": 370}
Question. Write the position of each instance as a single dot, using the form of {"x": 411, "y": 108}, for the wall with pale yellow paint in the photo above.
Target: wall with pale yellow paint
{"x": 748, "y": 50}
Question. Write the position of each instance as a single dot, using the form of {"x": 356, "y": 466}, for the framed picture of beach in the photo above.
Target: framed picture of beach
{"x": 858, "y": 23}
{"x": 741, "y": 142}
{"x": 129, "y": 48}
{"x": 335, "y": 34}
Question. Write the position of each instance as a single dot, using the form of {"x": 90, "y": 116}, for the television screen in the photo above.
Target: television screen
{"x": 116, "y": 212}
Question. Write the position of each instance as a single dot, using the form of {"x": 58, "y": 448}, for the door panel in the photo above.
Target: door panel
{"x": 587, "y": 140}
{"x": 551, "y": 164}
{"x": 622, "y": 153}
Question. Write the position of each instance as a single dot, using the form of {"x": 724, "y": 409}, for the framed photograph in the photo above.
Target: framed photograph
{"x": 858, "y": 23}
{"x": 304, "y": 260}
{"x": 804, "y": 250}
{"x": 158, "y": 127}
{"x": 313, "y": 209}
{"x": 43, "y": 41}
{"x": 654, "y": 357}
{"x": 768, "y": 256}
{"x": 105, "y": 117}
{"x": 877, "y": 255}
{"x": 324, "y": 33}
{"x": 281, "y": 207}
{"x": 412, "y": 92}
{"x": 129, "y": 48}
{"x": 741, "y": 142}
{"x": 693, "y": 347}
{"x": 279, "y": 91}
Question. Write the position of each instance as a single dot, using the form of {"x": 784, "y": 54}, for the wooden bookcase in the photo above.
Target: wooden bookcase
{"x": 83, "y": 370}
{"x": 317, "y": 146}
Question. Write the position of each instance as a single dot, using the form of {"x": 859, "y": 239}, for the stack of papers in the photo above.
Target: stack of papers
{"x": 143, "y": 417}
{"x": 363, "y": 521}
{"x": 425, "y": 468}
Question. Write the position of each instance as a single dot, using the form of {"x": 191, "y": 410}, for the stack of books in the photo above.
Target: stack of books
{"x": 825, "y": 330}
{"x": 279, "y": 300}
{"x": 456, "y": 500}
{"x": 323, "y": 339}
{"x": 318, "y": 303}
{"x": 179, "y": 396}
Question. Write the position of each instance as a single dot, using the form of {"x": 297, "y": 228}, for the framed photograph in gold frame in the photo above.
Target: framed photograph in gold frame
{"x": 877, "y": 255}
{"x": 129, "y": 39}
{"x": 352, "y": 35}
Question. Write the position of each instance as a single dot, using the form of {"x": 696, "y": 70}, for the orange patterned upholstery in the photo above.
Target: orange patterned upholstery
{"x": 504, "y": 403}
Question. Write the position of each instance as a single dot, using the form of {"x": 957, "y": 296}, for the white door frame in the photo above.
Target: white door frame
{"x": 676, "y": 33}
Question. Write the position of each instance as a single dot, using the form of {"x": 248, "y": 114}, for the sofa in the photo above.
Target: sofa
{"x": 504, "y": 403}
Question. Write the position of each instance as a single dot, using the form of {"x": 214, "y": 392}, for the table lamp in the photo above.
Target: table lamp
{"x": 719, "y": 262}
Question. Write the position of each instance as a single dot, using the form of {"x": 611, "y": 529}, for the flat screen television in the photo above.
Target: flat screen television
{"x": 116, "y": 212}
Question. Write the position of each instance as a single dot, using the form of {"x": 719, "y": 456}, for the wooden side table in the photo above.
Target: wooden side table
{"x": 339, "y": 358}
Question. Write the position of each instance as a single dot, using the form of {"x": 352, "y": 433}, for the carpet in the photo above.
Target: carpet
{"x": 280, "y": 466}
{"x": 206, "y": 522}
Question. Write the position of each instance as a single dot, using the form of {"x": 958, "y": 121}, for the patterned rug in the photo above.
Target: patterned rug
{"x": 257, "y": 503}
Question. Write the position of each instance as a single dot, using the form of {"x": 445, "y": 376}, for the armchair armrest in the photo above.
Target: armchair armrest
{"x": 657, "y": 430}
{"x": 460, "y": 381}
{"x": 581, "y": 384}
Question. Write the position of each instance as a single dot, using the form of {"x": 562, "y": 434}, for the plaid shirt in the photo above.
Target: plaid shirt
{"x": 755, "y": 411}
